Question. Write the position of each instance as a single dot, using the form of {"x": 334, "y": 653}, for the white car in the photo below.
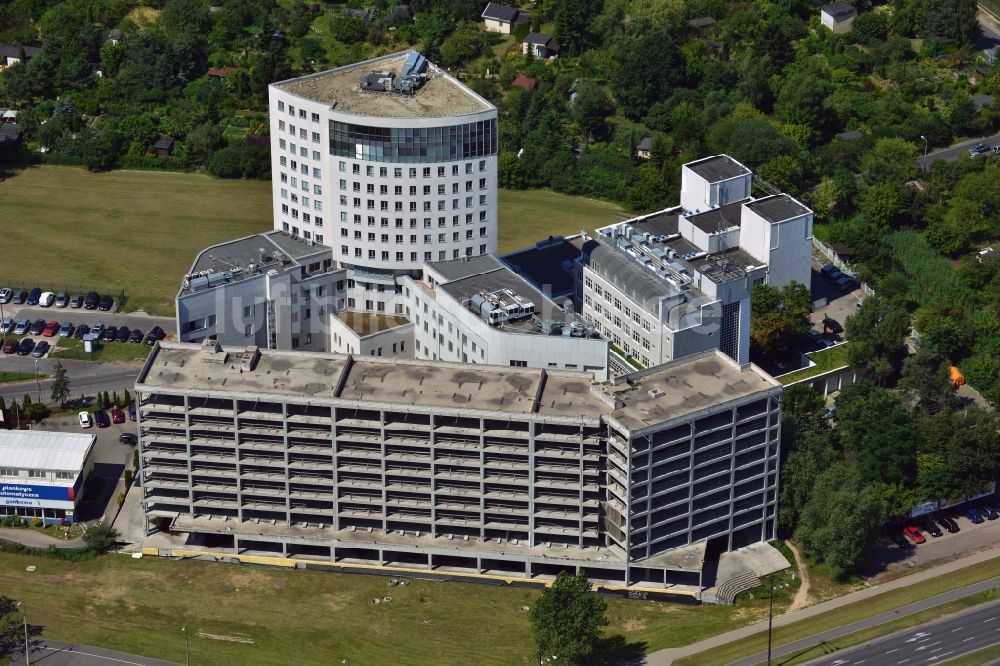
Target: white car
{"x": 85, "y": 420}
{"x": 46, "y": 299}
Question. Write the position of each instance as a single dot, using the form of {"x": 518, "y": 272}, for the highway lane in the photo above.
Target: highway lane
{"x": 931, "y": 643}
{"x": 814, "y": 644}
{"x": 85, "y": 377}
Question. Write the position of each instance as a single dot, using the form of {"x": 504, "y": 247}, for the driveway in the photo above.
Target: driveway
{"x": 839, "y": 305}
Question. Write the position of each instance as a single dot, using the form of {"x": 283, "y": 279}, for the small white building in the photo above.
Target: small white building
{"x": 503, "y": 19}
{"x": 838, "y": 17}
{"x": 540, "y": 45}
{"x": 44, "y": 474}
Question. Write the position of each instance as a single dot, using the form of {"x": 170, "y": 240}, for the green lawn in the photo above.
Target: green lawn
{"x": 881, "y": 603}
{"x": 528, "y": 216}
{"x": 67, "y": 228}
{"x": 11, "y": 377}
{"x": 139, "y": 606}
{"x": 140, "y": 230}
{"x": 104, "y": 352}
{"x": 826, "y": 360}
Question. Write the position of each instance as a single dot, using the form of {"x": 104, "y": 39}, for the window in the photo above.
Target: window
{"x": 8, "y": 471}
{"x": 518, "y": 364}
{"x": 302, "y": 113}
{"x": 281, "y": 144}
{"x": 315, "y": 117}
{"x": 281, "y": 125}
{"x": 317, "y": 189}
{"x": 281, "y": 106}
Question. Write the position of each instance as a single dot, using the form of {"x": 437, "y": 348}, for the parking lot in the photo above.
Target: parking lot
{"x": 110, "y": 459}
{"x": 839, "y": 304}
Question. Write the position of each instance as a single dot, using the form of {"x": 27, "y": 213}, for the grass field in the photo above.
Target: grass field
{"x": 139, "y": 606}
{"x": 67, "y": 228}
{"x": 881, "y": 603}
{"x": 139, "y": 231}
{"x": 11, "y": 377}
{"x": 528, "y": 216}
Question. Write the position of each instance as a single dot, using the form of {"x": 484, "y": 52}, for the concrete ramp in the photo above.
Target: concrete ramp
{"x": 741, "y": 570}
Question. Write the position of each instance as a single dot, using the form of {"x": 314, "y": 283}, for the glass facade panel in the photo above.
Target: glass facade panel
{"x": 421, "y": 144}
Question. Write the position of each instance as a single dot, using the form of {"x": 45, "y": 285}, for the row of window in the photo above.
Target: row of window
{"x": 316, "y": 172}
{"x": 305, "y": 234}
{"x": 35, "y": 473}
{"x": 295, "y": 198}
{"x": 383, "y": 189}
{"x": 301, "y": 151}
{"x": 428, "y": 238}
{"x": 301, "y": 112}
{"x": 442, "y": 204}
{"x": 411, "y": 172}
{"x": 302, "y": 184}
{"x": 384, "y": 255}
{"x": 420, "y": 144}
{"x": 303, "y": 133}
{"x": 600, "y": 291}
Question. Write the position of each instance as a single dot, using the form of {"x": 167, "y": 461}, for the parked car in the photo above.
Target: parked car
{"x": 105, "y": 303}
{"x": 117, "y": 415}
{"x": 102, "y": 418}
{"x": 41, "y": 349}
{"x": 33, "y": 296}
{"x": 901, "y": 541}
{"x": 22, "y": 327}
{"x": 10, "y": 346}
{"x": 51, "y": 329}
{"x": 835, "y": 275}
{"x": 25, "y": 347}
{"x": 847, "y": 283}
{"x": 827, "y": 269}
{"x": 81, "y": 331}
{"x": 46, "y": 299}
{"x": 131, "y": 411}
{"x": 19, "y": 297}
{"x": 136, "y": 336}
{"x": 5, "y": 295}
{"x": 76, "y": 301}
{"x": 85, "y": 420}
{"x": 833, "y": 325}
{"x": 155, "y": 334}
{"x": 978, "y": 149}
{"x": 948, "y": 523}
{"x": 913, "y": 534}
{"x": 989, "y": 511}
{"x": 37, "y": 327}
{"x": 123, "y": 333}
{"x": 927, "y": 525}
{"x": 98, "y": 329}
{"x": 128, "y": 439}
{"x": 8, "y": 324}
{"x": 61, "y": 300}
{"x": 91, "y": 300}
{"x": 974, "y": 515}
{"x": 109, "y": 334}
{"x": 66, "y": 330}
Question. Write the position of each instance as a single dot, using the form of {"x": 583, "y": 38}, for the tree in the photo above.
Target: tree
{"x": 101, "y": 537}
{"x": 877, "y": 429}
{"x": 10, "y": 622}
{"x": 877, "y": 333}
{"x": 870, "y": 28}
{"x": 807, "y": 448}
{"x": 778, "y": 317}
{"x": 649, "y": 67}
{"x": 566, "y": 620}
{"x": 842, "y": 520}
{"x": 590, "y": 107}
{"x": 60, "y": 385}
{"x": 925, "y": 376}
{"x": 954, "y": 19}
{"x": 892, "y": 161}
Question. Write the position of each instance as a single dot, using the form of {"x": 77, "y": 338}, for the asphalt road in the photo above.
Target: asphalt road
{"x": 931, "y": 643}
{"x": 84, "y": 377}
{"x": 952, "y": 152}
{"x": 814, "y": 644}
{"x": 55, "y": 653}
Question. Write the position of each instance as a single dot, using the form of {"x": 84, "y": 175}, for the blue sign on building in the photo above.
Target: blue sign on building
{"x": 17, "y": 491}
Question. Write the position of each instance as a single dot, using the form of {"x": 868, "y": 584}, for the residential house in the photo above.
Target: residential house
{"x": 540, "y": 45}
{"x": 362, "y": 14}
{"x": 399, "y": 15}
{"x": 222, "y": 72}
{"x": 10, "y": 54}
{"x": 163, "y": 145}
{"x": 10, "y": 135}
{"x": 115, "y": 36}
{"x": 524, "y": 82}
{"x": 503, "y": 19}
{"x": 645, "y": 148}
{"x": 838, "y": 17}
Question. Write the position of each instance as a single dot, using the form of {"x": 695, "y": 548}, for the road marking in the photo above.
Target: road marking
{"x": 966, "y": 640}
{"x": 941, "y": 656}
{"x": 957, "y": 629}
{"x": 989, "y": 620}
{"x": 892, "y": 650}
{"x": 88, "y": 654}
{"x": 902, "y": 662}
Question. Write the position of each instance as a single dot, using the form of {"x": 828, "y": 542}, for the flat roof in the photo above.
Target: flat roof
{"x": 37, "y": 449}
{"x": 367, "y": 323}
{"x": 663, "y": 223}
{"x": 717, "y": 168}
{"x": 726, "y": 266}
{"x": 715, "y": 219}
{"x": 683, "y": 387}
{"x": 440, "y": 96}
{"x": 236, "y": 256}
{"x": 544, "y": 264}
{"x": 456, "y": 269}
{"x": 327, "y": 377}
{"x": 502, "y": 278}
{"x": 777, "y": 208}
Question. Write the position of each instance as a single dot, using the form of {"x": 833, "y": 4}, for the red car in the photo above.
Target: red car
{"x": 51, "y": 329}
{"x": 117, "y": 416}
{"x": 10, "y": 346}
{"x": 913, "y": 534}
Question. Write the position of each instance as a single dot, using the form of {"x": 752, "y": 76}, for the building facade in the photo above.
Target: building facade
{"x": 457, "y": 468}
{"x": 389, "y": 162}
{"x": 44, "y": 474}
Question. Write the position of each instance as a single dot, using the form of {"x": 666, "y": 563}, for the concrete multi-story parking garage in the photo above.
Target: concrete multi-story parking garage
{"x": 455, "y": 468}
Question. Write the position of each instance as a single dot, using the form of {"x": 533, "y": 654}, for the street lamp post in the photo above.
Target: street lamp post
{"x": 770, "y": 617}
{"x": 38, "y": 386}
{"x": 924, "y": 167}
{"x": 187, "y": 646}
{"x": 24, "y": 614}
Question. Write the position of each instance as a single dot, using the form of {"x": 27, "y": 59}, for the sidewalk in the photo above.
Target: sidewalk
{"x": 32, "y": 539}
{"x": 666, "y": 657}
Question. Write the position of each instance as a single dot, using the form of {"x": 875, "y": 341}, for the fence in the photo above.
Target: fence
{"x": 827, "y": 252}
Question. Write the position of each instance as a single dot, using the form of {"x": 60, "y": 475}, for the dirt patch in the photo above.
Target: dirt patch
{"x": 634, "y": 625}
{"x": 335, "y": 602}
{"x": 249, "y": 580}
{"x": 801, "y": 599}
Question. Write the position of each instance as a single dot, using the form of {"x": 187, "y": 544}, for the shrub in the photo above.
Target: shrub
{"x": 36, "y": 522}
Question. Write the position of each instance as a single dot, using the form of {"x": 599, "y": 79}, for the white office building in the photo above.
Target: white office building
{"x": 389, "y": 162}
{"x": 44, "y": 474}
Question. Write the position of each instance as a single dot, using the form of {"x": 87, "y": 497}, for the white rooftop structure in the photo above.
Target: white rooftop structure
{"x": 32, "y": 449}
